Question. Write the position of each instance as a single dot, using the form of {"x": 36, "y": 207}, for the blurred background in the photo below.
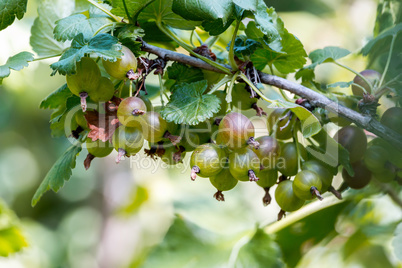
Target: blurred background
{"x": 112, "y": 215}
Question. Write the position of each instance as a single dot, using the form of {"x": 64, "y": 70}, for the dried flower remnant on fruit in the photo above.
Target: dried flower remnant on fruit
{"x": 219, "y": 196}
{"x": 266, "y": 200}
{"x": 88, "y": 160}
{"x": 172, "y": 138}
{"x": 194, "y": 171}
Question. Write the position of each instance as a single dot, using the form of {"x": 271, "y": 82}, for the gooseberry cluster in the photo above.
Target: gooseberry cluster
{"x": 224, "y": 148}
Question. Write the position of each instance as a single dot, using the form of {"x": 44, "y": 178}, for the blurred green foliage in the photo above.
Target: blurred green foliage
{"x": 113, "y": 216}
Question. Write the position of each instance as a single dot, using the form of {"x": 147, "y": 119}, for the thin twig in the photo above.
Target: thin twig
{"x": 315, "y": 98}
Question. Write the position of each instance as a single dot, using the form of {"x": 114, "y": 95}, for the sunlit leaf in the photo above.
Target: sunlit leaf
{"x": 42, "y": 39}
{"x": 16, "y": 62}
{"x": 327, "y": 54}
{"x": 104, "y": 45}
{"x": 67, "y": 28}
{"x": 161, "y": 10}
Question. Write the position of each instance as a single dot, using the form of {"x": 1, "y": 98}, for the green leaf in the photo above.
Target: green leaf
{"x": 263, "y": 19}
{"x": 188, "y": 105}
{"x": 285, "y": 63}
{"x": 59, "y": 116}
{"x": 330, "y": 152}
{"x": 187, "y": 245}
{"x": 16, "y": 62}
{"x": 59, "y": 173}
{"x": 305, "y": 74}
{"x": 340, "y": 84}
{"x": 309, "y": 123}
{"x": 244, "y": 46}
{"x": 388, "y": 33}
{"x": 11, "y": 9}
{"x": 133, "y": 7}
{"x": 388, "y": 14}
{"x": 182, "y": 73}
{"x": 216, "y": 27}
{"x": 68, "y": 28}
{"x": 42, "y": 39}
{"x": 260, "y": 251}
{"x": 253, "y": 32}
{"x": 128, "y": 37}
{"x": 284, "y": 51}
{"x": 327, "y": 54}
{"x": 206, "y": 10}
{"x": 56, "y": 98}
{"x": 130, "y": 32}
{"x": 397, "y": 242}
{"x": 161, "y": 10}
{"x": 104, "y": 45}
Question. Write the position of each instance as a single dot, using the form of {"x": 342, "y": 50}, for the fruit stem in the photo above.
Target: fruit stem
{"x": 88, "y": 160}
{"x": 198, "y": 37}
{"x": 297, "y": 148}
{"x": 244, "y": 77}
{"x": 173, "y": 139}
{"x": 231, "y": 49}
{"x": 284, "y": 95}
{"x": 130, "y": 94}
{"x": 161, "y": 89}
{"x": 120, "y": 88}
{"x": 314, "y": 191}
{"x": 266, "y": 200}
{"x": 117, "y": 19}
{"x": 335, "y": 192}
{"x": 252, "y": 176}
{"x": 121, "y": 154}
{"x": 388, "y": 60}
{"x": 223, "y": 81}
{"x": 211, "y": 40}
{"x": 362, "y": 88}
{"x": 114, "y": 24}
{"x": 170, "y": 34}
{"x": 84, "y": 96}
{"x": 229, "y": 92}
{"x": 356, "y": 73}
{"x": 194, "y": 171}
{"x": 251, "y": 141}
{"x": 191, "y": 38}
{"x": 47, "y": 57}
{"x": 219, "y": 196}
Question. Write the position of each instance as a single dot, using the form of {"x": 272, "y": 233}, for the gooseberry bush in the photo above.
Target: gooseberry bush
{"x": 211, "y": 89}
